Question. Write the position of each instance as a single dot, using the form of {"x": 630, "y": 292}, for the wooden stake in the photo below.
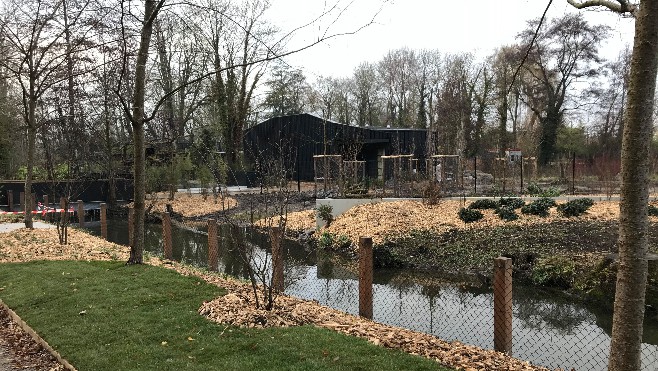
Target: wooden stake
{"x": 276, "y": 236}
{"x": 104, "y": 220}
{"x": 166, "y": 236}
{"x": 213, "y": 251}
{"x": 365, "y": 277}
{"x": 503, "y": 305}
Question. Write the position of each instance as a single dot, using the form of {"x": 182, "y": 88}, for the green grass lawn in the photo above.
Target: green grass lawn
{"x": 109, "y": 316}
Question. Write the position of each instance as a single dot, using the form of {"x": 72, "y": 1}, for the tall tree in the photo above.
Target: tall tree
{"x": 137, "y": 120}
{"x": 626, "y": 342}
{"x": 241, "y": 40}
{"x": 288, "y": 91}
{"x": 564, "y": 51}
{"x": 366, "y": 95}
{"x": 33, "y": 37}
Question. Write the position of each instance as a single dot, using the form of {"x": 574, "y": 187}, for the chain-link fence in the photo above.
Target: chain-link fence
{"x": 545, "y": 327}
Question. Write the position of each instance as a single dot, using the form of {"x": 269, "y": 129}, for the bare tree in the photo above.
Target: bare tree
{"x": 136, "y": 110}
{"x": 33, "y": 37}
{"x": 625, "y": 347}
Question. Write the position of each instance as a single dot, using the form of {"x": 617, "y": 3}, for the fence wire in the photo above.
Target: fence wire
{"x": 548, "y": 328}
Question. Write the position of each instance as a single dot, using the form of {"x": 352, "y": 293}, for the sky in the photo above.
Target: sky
{"x": 477, "y": 26}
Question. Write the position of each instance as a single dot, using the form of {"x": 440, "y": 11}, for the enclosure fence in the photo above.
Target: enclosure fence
{"x": 545, "y": 328}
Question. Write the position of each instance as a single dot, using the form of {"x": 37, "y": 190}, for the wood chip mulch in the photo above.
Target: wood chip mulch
{"x": 237, "y": 308}
{"x": 395, "y": 219}
{"x": 189, "y": 205}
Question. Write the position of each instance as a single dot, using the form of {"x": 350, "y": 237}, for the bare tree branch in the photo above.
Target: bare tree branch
{"x": 619, "y": 6}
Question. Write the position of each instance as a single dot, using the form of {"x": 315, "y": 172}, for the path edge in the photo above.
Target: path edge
{"x": 36, "y": 337}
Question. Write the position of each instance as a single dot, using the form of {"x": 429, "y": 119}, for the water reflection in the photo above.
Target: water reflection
{"x": 549, "y": 327}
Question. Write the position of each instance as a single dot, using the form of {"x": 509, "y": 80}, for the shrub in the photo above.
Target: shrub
{"x": 326, "y": 240}
{"x": 470, "y": 215}
{"x": 431, "y": 193}
{"x": 507, "y": 213}
{"x": 539, "y": 207}
{"x": 575, "y": 207}
{"x": 324, "y": 213}
{"x": 535, "y": 190}
{"x": 482, "y": 204}
{"x": 343, "y": 242}
{"x": 554, "y": 272}
{"x": 512, "y": 202}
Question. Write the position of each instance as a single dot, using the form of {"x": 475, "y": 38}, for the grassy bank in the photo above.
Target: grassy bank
{"x": 109, "y": 316}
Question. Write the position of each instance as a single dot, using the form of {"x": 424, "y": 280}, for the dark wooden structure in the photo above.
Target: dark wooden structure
{"x": 294, "y": 140}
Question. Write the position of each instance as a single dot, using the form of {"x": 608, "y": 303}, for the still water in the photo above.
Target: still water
{"x": 550, "y": 328}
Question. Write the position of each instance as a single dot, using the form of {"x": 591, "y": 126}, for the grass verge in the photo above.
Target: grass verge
{"x": 109, "y": 316}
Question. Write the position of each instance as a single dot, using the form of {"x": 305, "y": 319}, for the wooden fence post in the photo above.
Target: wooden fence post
{"x": 503, "y": 305}
{"x": 81, "y": 214}
{"x": 365, "y": 277}
{"x": 276, "y": 236}
{"x": 10, "y": 200}
{"x": 166, "y": 235}
{"x": 213, "y": 250}
{"x": 62, "y": 203}
{"x": 46, "y": 201}
{"x": 131, "y": 226}
{"x": 104, "y": 220}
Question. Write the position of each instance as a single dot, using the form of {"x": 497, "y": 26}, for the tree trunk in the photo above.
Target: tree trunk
{"x": 151, "y": 9}
{"x": 625, "y": 347}
{"x": 31, "y": 143}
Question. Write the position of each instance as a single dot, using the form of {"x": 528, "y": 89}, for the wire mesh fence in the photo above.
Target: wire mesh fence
{"x": 546, "y": 328}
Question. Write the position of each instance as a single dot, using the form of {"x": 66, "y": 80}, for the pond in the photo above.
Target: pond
{"x": 550, "y": 328}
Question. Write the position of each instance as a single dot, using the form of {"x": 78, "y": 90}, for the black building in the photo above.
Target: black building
{"x": 295, "y": 139}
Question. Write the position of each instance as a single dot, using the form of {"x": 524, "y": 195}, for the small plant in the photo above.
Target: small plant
{"x": 343, "y": 242}
{"x": 507, "y": 213}
{"x": 539, "y": 207}
{"x": 324, "y": 213}
{"x": 511, "y": 202}
{"x": 470, "y": 215}
{"x": 483, "y": 204}
{"x": 575, "y": 207}
{"x": 554, "y": 272}
{"x": 432, "y": 193}
{"x": 535, "y": 190}
{"x": 326, "y": 241}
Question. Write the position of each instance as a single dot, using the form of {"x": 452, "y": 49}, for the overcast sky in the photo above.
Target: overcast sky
{"x": 478, "y": 26}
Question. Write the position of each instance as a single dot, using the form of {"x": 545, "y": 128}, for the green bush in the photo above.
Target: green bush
{"x": 575, "y": 207}
{"x": 554, "y": 272}
{"x": 482, "y": 204}
{"x": 470, "y": 215}
{"x": 539, "y": 207}
{"x": 156, "y": 179}
{"x": 535, "y": 190}
{"x": 324, "y": 213}
{"x": 512, "y": 202}
{"x": 326, "y": 240}
{"x": 343, "y": 242}
{"x": 507, "y": 213}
